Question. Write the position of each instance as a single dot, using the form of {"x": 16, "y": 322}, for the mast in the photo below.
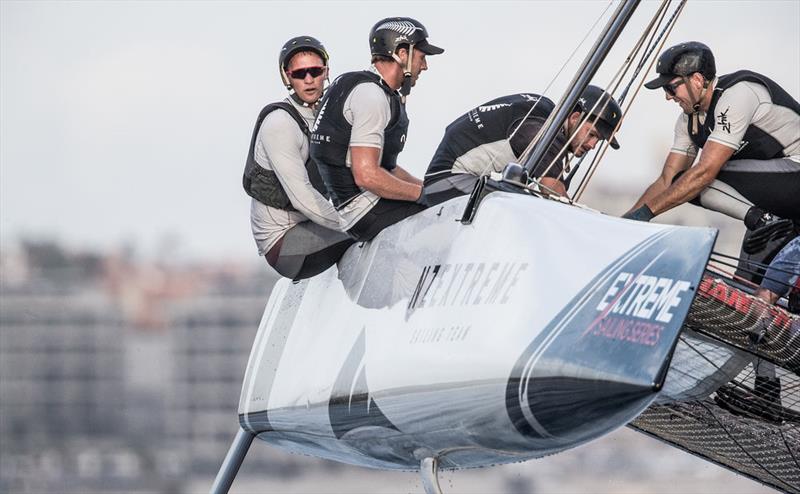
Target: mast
{"x": 589, "y": 67}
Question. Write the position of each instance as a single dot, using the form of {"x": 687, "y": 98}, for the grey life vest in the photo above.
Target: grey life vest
{"x": 330, "y": 137}
{"x": 757, "y": 144}
{"x": 262, "y": 184}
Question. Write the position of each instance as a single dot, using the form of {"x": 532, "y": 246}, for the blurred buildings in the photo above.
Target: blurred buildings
{"x": 115, "y": 374}
{"x": 120, "y": 375}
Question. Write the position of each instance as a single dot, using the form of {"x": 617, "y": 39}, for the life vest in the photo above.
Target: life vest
{"x": 491, "y": 122}
{"x": 759, "y": 144}
{"x": 262, "y": 184}
{"x": 330, "y": 136}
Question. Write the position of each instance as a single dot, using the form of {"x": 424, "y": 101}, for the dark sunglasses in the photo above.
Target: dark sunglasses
{"x": 671, "y": 87}
{"x": 301, "y": 73}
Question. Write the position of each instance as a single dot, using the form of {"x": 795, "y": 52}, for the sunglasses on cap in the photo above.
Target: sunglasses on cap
{"x": 672, "y": 86}
{"x": 301, "y": 73}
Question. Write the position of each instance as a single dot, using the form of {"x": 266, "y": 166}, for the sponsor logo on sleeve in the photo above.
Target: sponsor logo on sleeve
{"x": 723, "y": 122}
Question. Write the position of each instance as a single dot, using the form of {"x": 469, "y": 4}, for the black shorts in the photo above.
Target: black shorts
{"x": 384, "y": 213}
{"x": 306, "y": 250}
{"x": 448, "y": 187}
{"x": 772, "y": 185}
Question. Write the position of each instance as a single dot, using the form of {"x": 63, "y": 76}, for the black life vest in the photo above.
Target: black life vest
{"x": 262, "y": 184}
{"x": 490, "y": 122}
{"x": 757, "y": 144}
{"x": 330, "y": 136}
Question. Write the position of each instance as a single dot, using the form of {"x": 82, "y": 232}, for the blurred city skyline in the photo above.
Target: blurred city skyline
{"x": 122, "y": 375}
{"x": 126, "y": 123}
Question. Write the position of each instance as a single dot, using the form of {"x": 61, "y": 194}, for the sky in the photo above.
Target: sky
{"x": 128, "y": 122}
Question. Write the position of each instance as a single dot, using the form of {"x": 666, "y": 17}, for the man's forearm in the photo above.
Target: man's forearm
{"x": 686, "y": 188}
{"x": 654, "y": 190}
{"x": 402, "y": 174}
{"x": 369, "y": 175}
{"x": 386, "y": 185}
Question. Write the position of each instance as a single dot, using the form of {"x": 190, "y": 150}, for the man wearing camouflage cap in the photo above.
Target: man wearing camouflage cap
{"x": 361, "y": 129}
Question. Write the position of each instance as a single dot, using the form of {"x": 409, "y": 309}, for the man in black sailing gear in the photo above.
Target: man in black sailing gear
{"x": 294, "y": 225}
{"x": 748, "y": 128}
{"x": 488, "y": 137}
{"x": 361, "y": 128}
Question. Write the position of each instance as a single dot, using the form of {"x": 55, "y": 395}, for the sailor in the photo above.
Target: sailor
{"x": 782, "y": 278}
{"x": 294, "y": 225}
{"x": 748, "y": 128}
{"x": 362, "y": 126}
{"x": 488, "y": 137}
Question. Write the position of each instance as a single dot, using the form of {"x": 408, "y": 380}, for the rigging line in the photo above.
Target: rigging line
{"x": 656, "y": 21}
{"x": 651, "y": 46}
{"x": 660, "y": 14}
{"x": 620, "y": 74}
{"x": 792, "y": 273}
{"x": 754, "y": 352}
{"x": 549, "y": 120}
{"x": 491, "y": 164}
{"x": 757, "y": 263}
{"x": 789, "y": 449}
{"x": 746, "y": 270}
{"x": 744, "y": 450}
{"x": 663, "y": 38}
{"x": 758, "y": 273}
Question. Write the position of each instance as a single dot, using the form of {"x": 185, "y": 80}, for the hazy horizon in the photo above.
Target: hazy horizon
{"x": 128, "y": 122}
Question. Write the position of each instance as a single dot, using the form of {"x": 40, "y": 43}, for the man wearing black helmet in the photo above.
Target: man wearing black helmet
{"x": 748, "y": 128}
{"x": 293, "y": 224}
{"x": 362, "y": 126}
{"x": 488, "y": 137}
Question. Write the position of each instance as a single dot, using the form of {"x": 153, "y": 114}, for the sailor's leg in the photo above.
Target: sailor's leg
{"x": 723, "y": 198}
{"x": 429, "y": 470}
{"x": 233, "y": 460}
{"x": 309, "y": 249}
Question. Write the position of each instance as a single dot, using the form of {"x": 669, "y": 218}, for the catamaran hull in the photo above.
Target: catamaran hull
{"x": 534, "y": 329}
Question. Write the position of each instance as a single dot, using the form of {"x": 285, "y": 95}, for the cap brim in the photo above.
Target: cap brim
{"x": 428, "y": 48}
{"x": 659, "y": 81}
{"x": 605, "y": 130}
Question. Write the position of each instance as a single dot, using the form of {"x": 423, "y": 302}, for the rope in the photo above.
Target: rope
{"x": 490, "y": 166}
{"x": 661, "y": 40}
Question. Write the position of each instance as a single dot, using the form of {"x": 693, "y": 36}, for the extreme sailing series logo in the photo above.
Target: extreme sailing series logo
{"x": 637, "y": 307}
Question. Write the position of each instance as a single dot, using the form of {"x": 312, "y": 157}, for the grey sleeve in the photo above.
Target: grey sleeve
{"x": 367, "y": 110}
{"x": 525, "y": 134}
{"x": 286, "y": 148}
{"x": 682, "y": 143}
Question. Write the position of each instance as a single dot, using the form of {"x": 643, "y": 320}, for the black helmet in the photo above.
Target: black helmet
{"x": 604, "y": 109}
{"x": 295, "y": 45}
{"x": 387, "y": 34}
{"x": 684, "y": 60}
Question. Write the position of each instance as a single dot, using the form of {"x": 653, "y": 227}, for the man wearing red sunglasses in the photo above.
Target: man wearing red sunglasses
{"x": 361, "y": 129}
{"x": 748, "y": 128}
{"x": 293, "y": 224}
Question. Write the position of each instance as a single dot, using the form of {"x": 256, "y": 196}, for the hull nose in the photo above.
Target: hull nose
{"x": 565, "y": 411}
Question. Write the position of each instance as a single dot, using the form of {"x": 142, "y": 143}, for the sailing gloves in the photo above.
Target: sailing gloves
{"x": 642, "y": 213}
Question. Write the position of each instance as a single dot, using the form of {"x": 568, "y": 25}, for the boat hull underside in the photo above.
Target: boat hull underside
{"x": 357, "y": 430}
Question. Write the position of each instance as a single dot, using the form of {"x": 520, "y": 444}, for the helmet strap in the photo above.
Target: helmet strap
{"x": 300, "y": 102}
{"x": 695, "y": 116}
{"x": 405, "y": 88}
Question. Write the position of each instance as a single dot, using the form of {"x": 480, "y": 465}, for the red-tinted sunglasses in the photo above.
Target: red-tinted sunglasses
{"x": 301, "y": 73}
{"x": 672, "y": 86}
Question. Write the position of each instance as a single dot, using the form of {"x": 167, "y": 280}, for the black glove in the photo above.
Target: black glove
{"x": 773, "y": 234}
{"x": 644, "y": 213}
